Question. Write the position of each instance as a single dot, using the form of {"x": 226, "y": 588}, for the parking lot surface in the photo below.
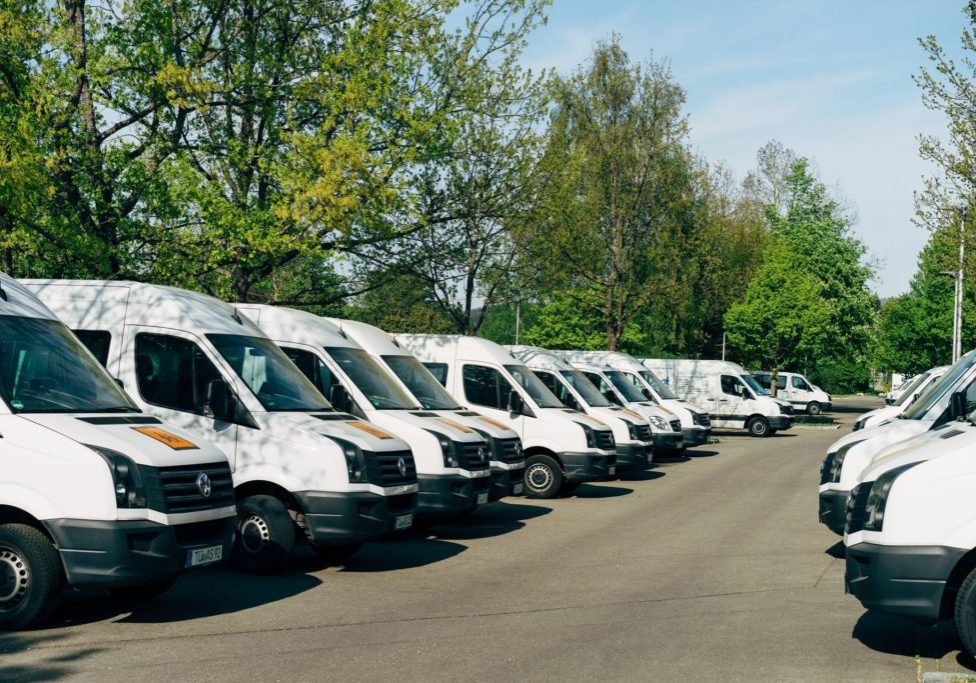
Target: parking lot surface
{"x": 710, "y": 567}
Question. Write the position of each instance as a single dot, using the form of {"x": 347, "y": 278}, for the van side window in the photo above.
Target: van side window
{"x": 313, "y": 368}
{"x": 798, "y": 383}
{"x": 439, "y": 371}
{"x": 173, "y": 372}
{"x": 763, "y": 380}
{"x": 485, "y": 387}
{"x": 781, "y": 382}
{"x": 96, "y": 341}
{"x": 558, "y": 388}
{"x": 604, "y": 387}
{"x": 733, "y": 386}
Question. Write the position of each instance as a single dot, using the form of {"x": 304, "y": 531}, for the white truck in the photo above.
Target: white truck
{"x": 797, "y": 389}
{"x": 631, "y": 432}
{"x": 911, "y": 531}
{"x": 729, "y": 393}
{"x": 696, "y": 426}
{"x": 948, "y": 398}
{"x": 563, "y": 447}
{"x": 913, "y": 391}
{"x": 301, "y": 470}
{"x": 94, "y": 493}
{"x": 504, "y": 446}
{"x": 453, "y": 462}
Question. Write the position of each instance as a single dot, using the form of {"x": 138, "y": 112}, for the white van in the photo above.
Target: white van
{"x": 93, "y": 492}
{"x": 301, "y": 469}
{"x": 563, "y": 447}
{"x": 918, "y": 385}
{"x": 949, "y": 397}
{"x": 615, "y": 387}
{"x": 797, "y": 389}
{"x": 631, "y": 431}
{"x": 911, "y": 531}
{"x": 696, "y": 426}
{"x": 504, "y": 446}
{"x": 729, "y": 393}
{"x": 453, "y": 470}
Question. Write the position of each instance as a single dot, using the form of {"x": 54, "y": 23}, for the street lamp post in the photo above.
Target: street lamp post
{"x": 957, "y": 309}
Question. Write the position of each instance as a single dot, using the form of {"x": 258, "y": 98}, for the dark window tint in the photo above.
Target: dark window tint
{"x": 96, "y": 341}
{"x": 173, "y": 372}
{"x": 558, "y": 388}
{"x": 733, "y": 386}
{"x": 604, "y": 387}
{"x": 798, "y": 383}
{"x": 780, "y": 382}
{"x": 485, "y": 387}
{"x": 439, "y": 371}
{"x": 313, "y": 368}
{"x": 763, "y": 380}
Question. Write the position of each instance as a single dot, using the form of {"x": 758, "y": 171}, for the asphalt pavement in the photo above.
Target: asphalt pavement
{"x": 709, "y": 567}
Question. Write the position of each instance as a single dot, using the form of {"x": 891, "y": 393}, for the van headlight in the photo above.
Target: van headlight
{"x": 632, "y": 431}
{"x": 355, "y": 460}
{"x": 878, "y": 497}
{"x": 838, "y": 462}
{"x": 660, "y": 423}
{"x": 447, "y": 451}
{"x": 859, "y": 424}
{"x": 590, "y": 434}
{"x": 130, "y": 490}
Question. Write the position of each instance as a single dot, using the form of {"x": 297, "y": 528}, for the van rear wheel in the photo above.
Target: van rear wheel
{"x": 965, "y": 613}
{"x": 265, "y": 535}
{"x": 30, "y": 576}
{"x": 543, "y": 477}
{"x": 759, "y": 426}
{"x": 814, "y": 408}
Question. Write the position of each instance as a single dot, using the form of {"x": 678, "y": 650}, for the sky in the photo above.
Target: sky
{"x": 830, "y": 79}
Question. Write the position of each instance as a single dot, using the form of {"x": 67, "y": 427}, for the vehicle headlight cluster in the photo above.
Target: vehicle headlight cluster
{"x": 878, "y": 497}
{"x": 837, "y": 463}
{"x": 447, "y": 450}
{"x": 659, "y": 422}
{"x": 590, "y": 435}
{"x": 130, "y": 490}
{"x": 355, "y": 460}
{"x": 859, "y": 424}
{"x": 632, "y": 430}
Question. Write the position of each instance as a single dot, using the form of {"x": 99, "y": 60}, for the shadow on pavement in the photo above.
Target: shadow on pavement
{"x": 645, "y": 475}
{"x": 837, "y": 551}
{"x": 490, "y": 520}
{"x": 414, "y": 549}
{"x": 52, "y": 667}
{"x": 603, "y": 491}
{"x": 700, "y": 454}
{"x": 895, "y": 635}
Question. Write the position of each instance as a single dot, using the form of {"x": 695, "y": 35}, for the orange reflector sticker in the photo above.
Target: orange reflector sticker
{"x": 633, "y": 414}
{"x": 370, "y": 429}
{"x": 177, "y": 443}
{"x": 591, "y": 419}
{"x": 492, "y": 422}
{"x": 451, "y": 423}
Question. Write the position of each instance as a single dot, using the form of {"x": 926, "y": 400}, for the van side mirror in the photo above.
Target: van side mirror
{"x": 119, "y": 382}
{"x": 515, "y": 402}
{"x": 220, "y": 403}
{"x": 957, "y": 405}
{"x": 339, "y": 398}
{"x": 647, "y": 393}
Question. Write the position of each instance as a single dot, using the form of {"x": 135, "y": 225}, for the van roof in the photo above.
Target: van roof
{"x": 155, "y": 305}
{"x": 290, "y": 325}
{"x": 539, "y": 359}
{"x": 450, "y": 347}
{"x": 373, "y": 339}
{"x": 20, "y": 301}
{"x": 713, "y": 365}
{"x": 613, "y": 359}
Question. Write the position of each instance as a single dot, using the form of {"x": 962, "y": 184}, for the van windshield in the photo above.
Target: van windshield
{"x": 662, "y": 389}
{"x": 753, "y": 384}
{"x": 45, "y": 369}
{"x": 626, "y": 388}
{"x": 275, "y": 381}
{"x": 423, "y": 385}
{"x": 534, "y": 387}
{"x": 585, "y": 388}
{"x": 911, "y": 388}
{"x": 371, "y": 379}
{"x": 936, "y": 395}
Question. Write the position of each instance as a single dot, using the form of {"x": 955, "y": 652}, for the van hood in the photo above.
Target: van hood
{"x": 860, "y": 455}
{"x": 687, "y": 405}
{"x": 363, "y": 434}
{"x": 479, "y": 423}
{"x": 950, "y": 438}
{"x": 862, "y": 435}
{"x": 877, "y": 415}
{"x": 431, "y": 421}
{"x": 145, "y": 439}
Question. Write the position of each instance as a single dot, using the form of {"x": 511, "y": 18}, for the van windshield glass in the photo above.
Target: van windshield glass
{"x": 371, "y": 379}
{"x": 625, "y": 387}
{"x": 273, "y": 379}
{"x": 938, "y": 392}
{"x": 912, "y": 388}
{"x": 754, "y": 385}
{"x": 45, "y": 369}
{"x": 662, "y": 389}
{"x": 534, "y": 387}
{"x": 585, "y": 388}
{"x": 423, "y": 385}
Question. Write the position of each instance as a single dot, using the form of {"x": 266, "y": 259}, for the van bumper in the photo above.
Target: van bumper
{"x": 506, "y": 483}
{"x": 668, "y": 442}
{"x": 833, "y": 510}
{"x": 632, "y": 456}
{"x": 695, "y": 436}
{"x": 780, "y": 422}
{"x": 443, "y": 495}
{"x": 904, "y": 580}
{"x": 339, "y": 517}
{"x": 582, "y": 467}
{"x": 125, "y": 553}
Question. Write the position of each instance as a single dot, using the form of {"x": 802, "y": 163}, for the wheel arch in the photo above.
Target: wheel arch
{"x": 963, "y": 567}
{"x": 260, "y": 487}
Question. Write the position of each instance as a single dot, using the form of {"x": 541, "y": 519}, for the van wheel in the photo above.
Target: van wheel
{"x": 813, "y": 408}
{"x": 965, "y": 613}
{"x": 758, "y": 426}
{"x": 146, "y": 592}
{"x": 30, "y": 576}
{"x": 543, "y": 477}
{"x": 265, "y": 535}
{"x": 338, "y": 552}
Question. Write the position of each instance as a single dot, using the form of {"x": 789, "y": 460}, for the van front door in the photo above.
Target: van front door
{"x": 487, "y": 390}
{"x": 729, "y": 407}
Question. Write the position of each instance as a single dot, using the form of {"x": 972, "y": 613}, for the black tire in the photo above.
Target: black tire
{"x": 543, "y": 477}
{"x": 965, "y": 613}
{"x": 265, "y": 535}
{"x": 758, "y": 426}
{"x": 30, "y": 576}
{"x": 338, "y": 552}
{"x": 814, "y": 408}
{"x": 146, "y": 592}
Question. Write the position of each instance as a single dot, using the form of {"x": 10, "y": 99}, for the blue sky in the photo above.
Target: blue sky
{"x": 830, "y": 79}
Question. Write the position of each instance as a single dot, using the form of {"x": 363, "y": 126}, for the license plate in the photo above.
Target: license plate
{"x": 482, "y": 498}
{"x": 517, "y": 489}
{"x": 202, "y": 556}
{"x": 403, "y": 522}
{"x": 613, "y": 469}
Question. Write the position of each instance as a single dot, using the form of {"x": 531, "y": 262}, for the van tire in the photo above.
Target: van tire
{"x": 338, "y": 552}
{"x": 546, "y": 474}
{"x": 265, "y": 535}
{"x": 813, "y": 408}
{"x": 758, "y": 426}
{"x": 965, "y": 613}
{"x": 30, "y": 576}
{"x": 144, "y": 592}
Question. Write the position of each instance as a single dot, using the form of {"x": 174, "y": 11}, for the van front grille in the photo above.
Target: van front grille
{"x": 604, "y": 440}
{"x": 508, "y": 450}
{"x": 643, "y": 432}
{"x": 188, "y": 488}
{"x": 472, "y": 456}
{"x": 384, "y": 469}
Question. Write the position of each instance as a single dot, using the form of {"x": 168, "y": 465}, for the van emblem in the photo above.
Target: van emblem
{"x": 481, "y": 454}
{"x": 402, "y": 467}
{"x": 204, "y": 485}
